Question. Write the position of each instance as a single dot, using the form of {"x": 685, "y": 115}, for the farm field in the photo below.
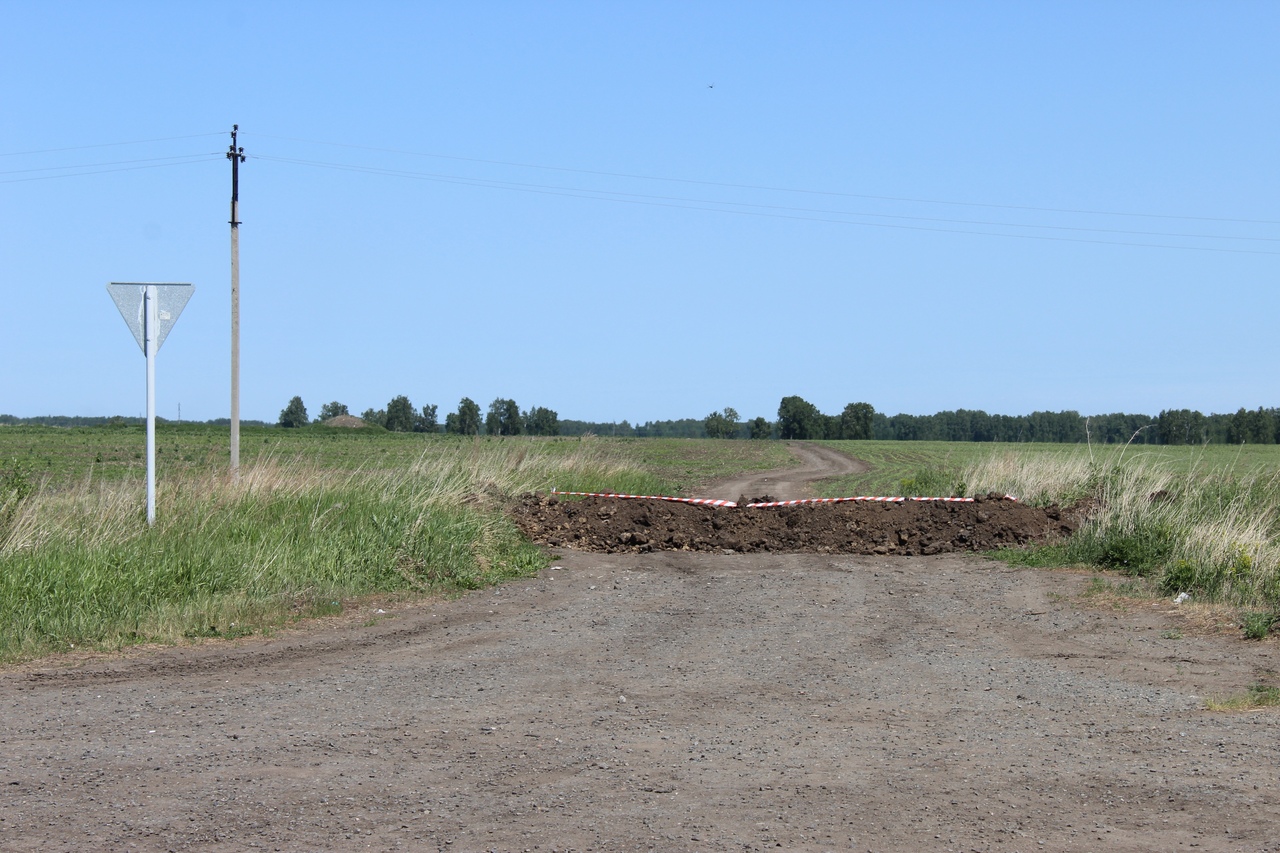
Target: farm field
{"x": 63, "y": 456}
{"x": 940, "y": 464}
{"x": 60, "y": 457}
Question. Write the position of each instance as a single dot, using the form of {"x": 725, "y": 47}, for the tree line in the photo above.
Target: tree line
{"x": 799, "y": 419}
{"x": 796, "y": 419}
{"x": 400, "y": 415}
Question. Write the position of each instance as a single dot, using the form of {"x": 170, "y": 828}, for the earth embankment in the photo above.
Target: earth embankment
{"x": 909, "y": 528}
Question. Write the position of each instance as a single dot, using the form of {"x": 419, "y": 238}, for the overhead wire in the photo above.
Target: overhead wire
{"x": 767, "y": 187}
{"x": 764, "y": 210}
{"x": 194, "y": 158}
{"x": 108, "y": 163}
{"x": 109, "y": 144}
{"x": 758, "y": 209}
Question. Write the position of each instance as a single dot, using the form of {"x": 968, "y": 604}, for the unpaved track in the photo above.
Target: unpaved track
{"x": 788, "y": 484}
{"x": 670, "y": 701}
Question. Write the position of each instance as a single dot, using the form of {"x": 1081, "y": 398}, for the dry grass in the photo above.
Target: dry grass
{"x": 1212, "y": 533}
{"x": 79, "y": 566}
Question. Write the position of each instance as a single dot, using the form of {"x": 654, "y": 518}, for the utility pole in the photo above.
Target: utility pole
{"x": 236, "y": 156}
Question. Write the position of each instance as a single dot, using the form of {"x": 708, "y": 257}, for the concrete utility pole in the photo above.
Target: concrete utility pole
{"x": 236, "y": 156}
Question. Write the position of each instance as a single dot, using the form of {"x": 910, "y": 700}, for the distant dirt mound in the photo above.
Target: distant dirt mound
{"x": 350, "y": 421}
{"x": 613, "y": 525}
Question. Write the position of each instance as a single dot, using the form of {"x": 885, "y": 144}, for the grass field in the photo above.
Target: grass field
{"x": 913, "y": 468}
{"x": 319, "y": 517}
{"x": 322, "y": 517}
{"x": 57, "y": 457}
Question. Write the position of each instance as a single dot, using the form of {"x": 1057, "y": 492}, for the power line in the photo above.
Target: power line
{"x": 109, "y": 144}
{"x": 196, "y": 158}
{"x": 109, "y": 163}
{"x": 773, "y": 188}
{"x": 519, "y": 185}
{"x": 727, "y": 207}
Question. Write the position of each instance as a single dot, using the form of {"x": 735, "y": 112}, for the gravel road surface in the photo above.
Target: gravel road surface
{"x": 668, "y": 701}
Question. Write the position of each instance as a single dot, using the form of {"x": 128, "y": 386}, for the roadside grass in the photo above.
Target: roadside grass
{"x": 1200, "y": 520}
{"x": 1119, "y": 594}
{"x": 289, "y": 539}
{"x": 1256, "y": 697}
{"x": 1210, "y": 532}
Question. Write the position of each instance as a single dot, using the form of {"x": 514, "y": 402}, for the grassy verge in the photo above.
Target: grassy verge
{"x": 1212, "y": 532}
{"x": 1257, "y": 696}
{"x": 1198, "y": 520}
{"x": 79, "y": 568}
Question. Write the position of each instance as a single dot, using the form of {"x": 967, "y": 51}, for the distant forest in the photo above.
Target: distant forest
{"x": 109, "y": 421}
{"x": 799, "y": 419}
{"x": 1172, "y": 426}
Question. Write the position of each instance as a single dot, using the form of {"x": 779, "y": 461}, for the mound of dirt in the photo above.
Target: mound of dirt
{"x": 349, "y": 421}
{"x": 614, "y": 525}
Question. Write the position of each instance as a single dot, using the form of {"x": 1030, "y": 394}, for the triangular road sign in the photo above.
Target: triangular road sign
{"x": 170, "y": 300}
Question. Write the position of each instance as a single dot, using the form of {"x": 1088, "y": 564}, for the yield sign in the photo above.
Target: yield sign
{"x": 171, "y": 299}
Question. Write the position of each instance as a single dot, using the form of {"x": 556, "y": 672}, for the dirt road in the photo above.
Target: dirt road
{"x": 667, "y": 702}
{"x": 816, "y": 463}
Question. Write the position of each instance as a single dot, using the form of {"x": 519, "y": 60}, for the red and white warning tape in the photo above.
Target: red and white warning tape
{"x": 701, "y": 501}
{"x": 866, "y": 498}
{"x": 712, "y": 502}
{"x": 835, "y": 501}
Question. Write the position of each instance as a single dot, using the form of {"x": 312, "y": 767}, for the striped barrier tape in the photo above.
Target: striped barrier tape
{"x": 832, "y": 501}
{"x": 713, "y": 502}
{"x": 867, "y": 498}
{"x": 699, "y": 501}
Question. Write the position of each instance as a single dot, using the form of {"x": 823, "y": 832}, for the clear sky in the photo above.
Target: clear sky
{"x": 647, "y": 210}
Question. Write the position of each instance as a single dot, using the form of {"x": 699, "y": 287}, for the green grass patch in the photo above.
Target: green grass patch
{"x": 288, "y": 539}
{"x": 1257, "y": 696}
{"x": 1257, "y": 624}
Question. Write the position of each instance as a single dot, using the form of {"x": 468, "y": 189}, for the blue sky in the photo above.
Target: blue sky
{"x": 647, "y": 211}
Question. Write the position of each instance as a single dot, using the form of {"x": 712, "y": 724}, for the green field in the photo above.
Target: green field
{"x": 319, "y": 518}
{"x": 324, "y": 518}
{"x": 941, "y": 464}
{"x": 58, "y": 457}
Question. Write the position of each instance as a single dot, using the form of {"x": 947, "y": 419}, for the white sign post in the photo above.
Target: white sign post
{"x": 150, "y": 310}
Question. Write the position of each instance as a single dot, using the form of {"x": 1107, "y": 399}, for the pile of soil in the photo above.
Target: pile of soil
{"x": 350, "y": 421}
{"x": 614, "y": 525}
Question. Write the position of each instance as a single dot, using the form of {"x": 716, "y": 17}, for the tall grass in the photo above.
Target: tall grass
{"x": 1211, "y": 532}
{"x": 79, "y": 567}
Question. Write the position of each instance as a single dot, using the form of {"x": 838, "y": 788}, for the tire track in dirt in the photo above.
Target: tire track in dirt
{"x": 788, "y": 484}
